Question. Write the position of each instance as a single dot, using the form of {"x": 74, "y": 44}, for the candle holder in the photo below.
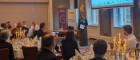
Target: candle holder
{"x": 115, "y": 55}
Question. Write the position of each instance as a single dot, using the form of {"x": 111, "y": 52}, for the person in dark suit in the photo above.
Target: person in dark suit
{"x": 17, "y": 29}
{"x": 83, "y": 31}
{"x": 10, "y": 27}
{"x": 4, "y": 34}
{"x": 69, "y": 45}
{"x": 6, "y": 26}
{"x": 48, "y": 45}
{"x": 41, "y": 32}
{"x": 99, "y": 48}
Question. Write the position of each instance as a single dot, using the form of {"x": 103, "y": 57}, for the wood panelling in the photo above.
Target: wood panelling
{"x": 24, "y": 0}
{"x": 105, "y": 22}
{"x": 136, "y": 22}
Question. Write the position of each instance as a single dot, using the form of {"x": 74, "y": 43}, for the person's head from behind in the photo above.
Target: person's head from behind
{"x": 6, "y": 25}
{"x": 33, "y": 23}
{"x": 8, "y": 22}
{"x": 48, "y": 41}
{"x": 70, "y": 35}
{"x": 100, "y": 47}
{"x": 127, "y": 30}
{"x": 70, "y": 28}
{"x": 4, "y": 34}
{"x": 24, "y": 22}
{"x": 2, "y": 25}
{"x": 42, "y": 26}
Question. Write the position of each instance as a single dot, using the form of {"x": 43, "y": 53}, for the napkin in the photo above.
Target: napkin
{"x": 35, "y": 38}
{"x": 90, "y": 52}
{"x": 76, "y": 53}
{"x": 91, "y": 48}
{"x": 80, "y": 58}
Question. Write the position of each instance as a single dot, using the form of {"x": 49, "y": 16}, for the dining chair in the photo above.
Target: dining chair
{"x": 29, "y": 53}
{"x": 4, "y": 54}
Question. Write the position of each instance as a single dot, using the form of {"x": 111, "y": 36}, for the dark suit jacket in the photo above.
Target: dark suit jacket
{"x": 46, "y": 54}
{"x": 9, "y": 27}
{"x": 40, "y": 33}
{"x": 97, "y": 58}
{"x": 69, "y": 47}
{"x": 4, "y": 44}
{"x": 25, "y": 28}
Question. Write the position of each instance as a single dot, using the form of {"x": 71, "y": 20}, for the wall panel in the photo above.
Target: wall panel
{"x": 19, "y": 12}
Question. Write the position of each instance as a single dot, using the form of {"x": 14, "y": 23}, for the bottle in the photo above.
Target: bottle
{"x": 132, "y": 54}
{"x": 129, "y": 53}
{"x": 137, "y": 52}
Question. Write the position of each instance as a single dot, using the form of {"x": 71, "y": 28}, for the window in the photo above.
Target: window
{"x": 95, "y": 17}
{"x": 121, "y": 16}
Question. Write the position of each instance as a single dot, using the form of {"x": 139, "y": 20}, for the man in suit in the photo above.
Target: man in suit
{"x": 23, "y": 28}
{"x": 24, "y": 24}
{"x": 41, "y": 31}
{"x": 17, "y": 29}
{"x": 100, "y": 48}
{"x": 33, "y": 30}
{"x": 10, "y": 27}
{"x": 46, "y": 53}
{"x": 4, "y": 34}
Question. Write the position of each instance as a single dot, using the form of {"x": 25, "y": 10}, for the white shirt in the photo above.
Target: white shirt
{"x": 131, "y": 42}
{"x": 32, "y": 30}
{"x": 25, "y": 25}
{"x": 35, "y": 28}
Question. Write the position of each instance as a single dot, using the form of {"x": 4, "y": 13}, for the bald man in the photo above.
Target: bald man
{"x": 48, "y": 45}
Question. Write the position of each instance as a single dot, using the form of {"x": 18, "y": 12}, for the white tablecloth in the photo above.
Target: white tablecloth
{"x": 108, "y": 56}
{"x": 17, "y": 46}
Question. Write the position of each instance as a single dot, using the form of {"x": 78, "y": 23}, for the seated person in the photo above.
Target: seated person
{"x": 33, "y": 30}
{"x": 24, "y": 24}
{"x": 48, "y": 45}
{"x": 99, "y": 48}
{"x": 6, "y": 26}
{"x": 10, "y": 27}
{"x": 41, "y": 32}
{"x": 70, "y": 28}
{"x": 17, "y": 29}
{"x": 2, "y": 26}
{"x": 131, "y": 40}
{"x": 69, "y": 45}
{"x": 4, "y": 35}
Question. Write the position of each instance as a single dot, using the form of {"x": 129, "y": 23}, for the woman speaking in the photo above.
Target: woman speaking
{"x": 82, "y": 26}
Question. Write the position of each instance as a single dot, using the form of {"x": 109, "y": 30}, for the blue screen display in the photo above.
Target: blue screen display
{"x": 100, "y": 3}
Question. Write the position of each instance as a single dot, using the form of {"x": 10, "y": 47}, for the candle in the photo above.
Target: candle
{"x": 125, "y": 41}
{"x": 20, "y": 31}
{"x": 114, "y": 43}
{"x": 16, "y": 34}
{"x": 124, "y": 50}
{"x": 24, "y": 32}
{"x": 119, "y": 37}
{"x": 15, "y": 25}
{"x": 120, "y": 45}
